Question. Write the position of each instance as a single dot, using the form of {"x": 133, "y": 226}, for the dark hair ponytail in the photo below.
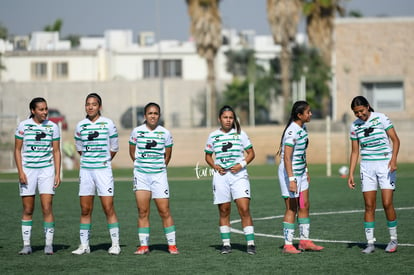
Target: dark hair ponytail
{"x": 361, "y": 101}
{"x": 33, "y": 103}
{"x": 236, "y": 123}
{"x": 297, "y": 108}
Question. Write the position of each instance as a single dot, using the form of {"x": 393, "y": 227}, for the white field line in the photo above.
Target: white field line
{"x": 315, "y": 214}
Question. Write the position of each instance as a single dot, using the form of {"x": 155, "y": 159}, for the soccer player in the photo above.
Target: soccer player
{"x": 230, "y": 180}
{"x": 294, "y": 178}
{"x": 150, "y": 148}
{"x": 96, "y": 139}
{"x": 37, "y": 156}
{"x": 370, "y": 134}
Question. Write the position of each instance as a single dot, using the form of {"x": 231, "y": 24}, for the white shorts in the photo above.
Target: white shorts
{"x": 230, "y": 186}
{"x": 377, "y": 173}
{"x": 43, "y": 179}
{"x": 92, "y": 181}
{"x": 156, "y": 183}
{"x": 302, "y": 183}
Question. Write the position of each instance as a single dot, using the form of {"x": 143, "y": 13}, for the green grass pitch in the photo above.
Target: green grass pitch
{"x": 333, "y": 223}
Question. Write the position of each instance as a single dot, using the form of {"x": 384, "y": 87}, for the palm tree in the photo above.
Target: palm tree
{"x": 320, "y": 16}
{"x": 283, "y": 17}
{"x": 206, "y": 31}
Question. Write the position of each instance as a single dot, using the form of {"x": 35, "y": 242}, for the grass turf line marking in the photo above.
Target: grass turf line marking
{"x": 315, "y": 214}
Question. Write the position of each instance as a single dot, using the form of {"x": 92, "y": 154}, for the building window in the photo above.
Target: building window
{"x": 39, "y": 70}
{"x": 171, "y": 68}
{"x": 60, "y": 70}
{"x": 150, "y": 68}
{"x": 385, "y": 96}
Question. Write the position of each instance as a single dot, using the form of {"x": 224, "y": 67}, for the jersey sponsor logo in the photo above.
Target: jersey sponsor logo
{"x": 368, "y": 131}
{"x": 93, "y": 135}
{"x": 226, "y": 146}
{"x": 40, "y": 135}
{"x": 150, "y": 144}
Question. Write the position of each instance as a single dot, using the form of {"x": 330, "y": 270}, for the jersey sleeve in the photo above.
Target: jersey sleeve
{"x": 209, "y": 148}
{"x": 56, "y": 132}
{"x": 78, "y": 139}
{"x": 168, "y": 139}
{"x": 386, "y": 122}
{"x": 19, "y": 131}
{"x": 133, "y": 137}
{"x": 113, "y": 137}
{"x": 290, "y": 139}
{"x": 247, "y": 144}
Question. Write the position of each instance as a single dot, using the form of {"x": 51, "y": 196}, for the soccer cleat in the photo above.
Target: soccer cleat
{"x": 173, "y": 249}
{"x": 226, "y": 249}
{"x": 48, "y": 250}
{"x": 82, "y": 249}
{"x": 369, "y": 249}
{"x": 309, "y": 245}
{"x": 26, "y": 250}
{"x": 290, "y": 249}
{"x": 392, "y": 246}
{"x": 251, "y": 249}
{"x": 114, "y": 249}
{"x": 142, "y": 250}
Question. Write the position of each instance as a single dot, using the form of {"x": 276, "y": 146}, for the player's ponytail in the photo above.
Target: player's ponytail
{"x": 297, "y": 108}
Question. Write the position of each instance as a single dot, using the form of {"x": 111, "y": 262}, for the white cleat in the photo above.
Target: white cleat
{"x": 114, "y": 249}
{"x": 369, "y": 249}
{"x": 26, "y": 250}
{"x": 82, "y": 249}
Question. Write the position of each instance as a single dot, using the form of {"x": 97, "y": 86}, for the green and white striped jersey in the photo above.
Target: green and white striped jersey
{"x": 150, "y": 148}
{"x": 228, "y": 147}
{"x": 372, "y": 137}
{"x": 296, "y": 137}
{"x": 96, "y": 140}
{"x": 37, "y": 149}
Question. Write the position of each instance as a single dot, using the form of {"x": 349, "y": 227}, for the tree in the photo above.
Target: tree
{"x": 56, "y": 27}
{"x": 206, "y": 32}
{"x": 242, "y": 64}
{"x": 3, "y": 32}
{"x": 283, "y": 17}
{"x": 320, "y": 16}
{"x": 308, "y": 62}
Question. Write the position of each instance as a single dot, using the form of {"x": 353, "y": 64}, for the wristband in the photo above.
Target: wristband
{"x": 292, "y": 179}
{"x": 243, "y": 164}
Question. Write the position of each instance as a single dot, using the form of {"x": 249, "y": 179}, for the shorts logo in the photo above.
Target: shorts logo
{"x": 93, "y": 135}
{"x": 166, "y": 191}
{"x": 150, "y": 144}
{"x": 110, "y": 190}
{"x": 246, "y": 191}
{"x": 226, "y": 146}
{"x": 39, "y": 136}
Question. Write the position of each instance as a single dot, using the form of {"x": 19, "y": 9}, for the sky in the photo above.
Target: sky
{"x": 168, "y": 18}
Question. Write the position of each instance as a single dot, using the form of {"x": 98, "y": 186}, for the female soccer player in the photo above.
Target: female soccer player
{"x": 370, "y": 134}
{"x": 230, "y": 180}
{"x": 37, "y": 156}
{"x": 294, "y": 178}
{"x": 150, "y": 148}
{"x": 96, "y": 139}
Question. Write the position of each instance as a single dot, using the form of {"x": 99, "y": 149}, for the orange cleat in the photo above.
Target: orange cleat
{"x": 173, "y": 249}
{"x": 290, "y": 249}
{"x": 142, "y": 250}
{"x": 309, "y": 245}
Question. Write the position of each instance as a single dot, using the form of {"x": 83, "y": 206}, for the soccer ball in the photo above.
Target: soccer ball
{"x": 343, "y": 171}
